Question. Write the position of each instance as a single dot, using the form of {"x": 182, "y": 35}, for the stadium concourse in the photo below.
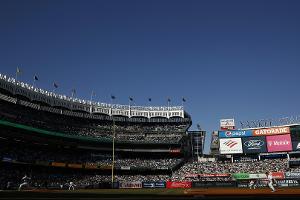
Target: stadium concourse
{"x": 51, "y": 143}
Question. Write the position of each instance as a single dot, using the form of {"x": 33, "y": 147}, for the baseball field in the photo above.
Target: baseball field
{"x": 195, "y": 193}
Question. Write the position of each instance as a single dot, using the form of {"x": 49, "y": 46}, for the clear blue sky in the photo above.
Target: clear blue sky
{"x": 227, "y": 58}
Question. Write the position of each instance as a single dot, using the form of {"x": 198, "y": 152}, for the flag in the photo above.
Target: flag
{"x": 183, "y": 99}
{"x": 18, "y": 70}
{"x": 112, "y": 97}
{"x": 149, "y": 99}
{"x": 55, "y": 85}
{"x": 130, "y": 98}
{"x": 35, "y": 78}
{"x": 73, "y": 91}
{"x": 169, "y": 99}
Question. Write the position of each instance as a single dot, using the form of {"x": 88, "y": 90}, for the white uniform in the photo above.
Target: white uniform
{"x": 251, "y": 185}
{"x": 72, "y": 186}
{"x": 25, "y": 180}
{"x": 270, "y": 182}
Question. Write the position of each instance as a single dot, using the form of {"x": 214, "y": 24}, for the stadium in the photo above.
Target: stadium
{"x": 66, "y": 146}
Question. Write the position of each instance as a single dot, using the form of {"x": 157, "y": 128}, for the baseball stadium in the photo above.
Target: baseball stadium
{"x": 57, "y": 146}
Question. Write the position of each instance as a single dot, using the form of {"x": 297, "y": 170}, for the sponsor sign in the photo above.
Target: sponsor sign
{"x": 125, "y": 167}
{"x": 154, "y": 184}
{"x": 58, "y": 164}
{"x": 292, "y": 174}
{"x": 179, "y": 184}
{"x": 296, "y": 146}
{"x": 288, "y": 183}
{"x": 254, "y": 144}
{"x": 214, "y": 184}
{"x": 279, "y": 143}
{"x": 277, "y": 175}
{"x": 130, "y": 185}
{"x": 231, "y": 146}
{"x": 227, "y": 124}
{"x": 238, "y": 176}
{"x": 213, "y": 175}
{"x": 235, "y": 133}
{"x": 271, "y": 131}
{"x": 257, "y": 176}
{"x": 74, "y": 165}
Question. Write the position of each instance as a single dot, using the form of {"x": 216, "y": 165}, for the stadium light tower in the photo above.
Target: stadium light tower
{"x": 113, "y": 144}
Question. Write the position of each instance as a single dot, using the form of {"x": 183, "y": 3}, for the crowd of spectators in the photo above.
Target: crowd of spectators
{"x": 30, "y": 154}
{"x": 138, "y": 132}
{"x": 227, "y": 167}
{"x": 56, "y": 178}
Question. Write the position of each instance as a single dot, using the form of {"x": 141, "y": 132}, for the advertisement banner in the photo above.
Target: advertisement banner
{"x": 271, "y": 131}
{"x": 278, "y": 175}
{"x": 130, "y": 184}
{"x": 213, "y": 175}
{"x": 239, "y": 176}
{"x": 254, "y": 144}
{"x": 257, "y": 176}
{"x": 295, "y": 175}
{"x": 74, "y": 165}
{"x": 235, "y": 133}
{"x": 58, "y": 164}
{"x": 125, "y": 167}
{"x": 288, "y": 183}
{"x": 214, "y": 184}
{"x": 296, "y": 146}
{"x": 231, "y": 146}
{"x": 154, "y": 184}
{"x": 227, "y": 124}
{"x": 90, "y": 166}
{"x": 179, "y": 184}
{"x": 279, "y": 143}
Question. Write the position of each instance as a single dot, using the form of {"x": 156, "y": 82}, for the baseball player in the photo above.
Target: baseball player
{"x": 24, "y": 181}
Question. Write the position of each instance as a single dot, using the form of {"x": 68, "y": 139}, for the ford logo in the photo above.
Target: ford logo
{"x": 254, "y": 143}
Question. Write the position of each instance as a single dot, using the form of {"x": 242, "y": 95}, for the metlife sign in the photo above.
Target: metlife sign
{"x": 254, "y": 144}
{"x": 235, "y": 133}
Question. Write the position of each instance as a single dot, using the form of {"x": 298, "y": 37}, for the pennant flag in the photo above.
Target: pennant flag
{"x": 183, "y": 99}
{"x": 130, "y": 98}
{"x": 55, "y": 85}
{"x": 169, "y": 99}
{"x": 112, "y": 97}
{"x": 149, "y": 99}
{"x": 36, "y": 78}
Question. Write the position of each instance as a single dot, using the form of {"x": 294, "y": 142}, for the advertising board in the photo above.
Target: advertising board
{"x": 277, "y": 143}
{"x": 235, "y": 133}
{"x": 130, "y": 185}
{"x": 227, "y": 124}
{"x": 154, "y": 184}
{"x": 254, "y": 144}
{"x": 231, "y": 146}
{"x": 179, "y": 184}
{"x": 271, "y": 131}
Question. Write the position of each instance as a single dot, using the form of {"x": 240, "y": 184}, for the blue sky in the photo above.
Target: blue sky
{"x": 229, "y": 59}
